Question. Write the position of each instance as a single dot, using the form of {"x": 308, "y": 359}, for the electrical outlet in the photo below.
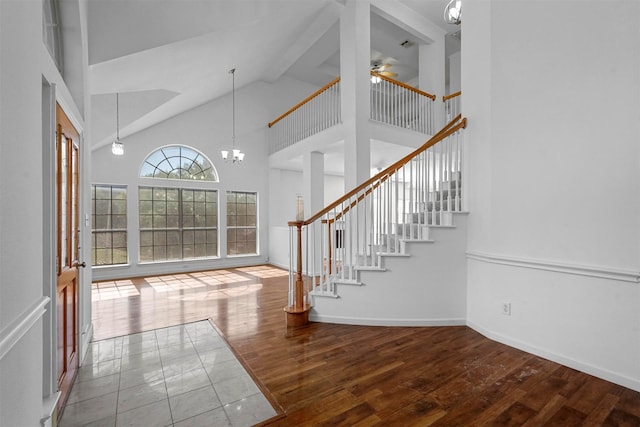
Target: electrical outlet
{"x": 506, "y": 308}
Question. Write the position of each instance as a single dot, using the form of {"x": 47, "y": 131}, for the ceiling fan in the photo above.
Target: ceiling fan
{"x": 383, "y": 69}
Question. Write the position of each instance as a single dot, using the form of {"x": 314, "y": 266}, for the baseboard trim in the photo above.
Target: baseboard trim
{"x": 12, "y": 334}
{"x": 366, "y": 321}
{"x": 605, "y": 374}
{"x": 558, "y": 267}
{"x": 49, "y": 405}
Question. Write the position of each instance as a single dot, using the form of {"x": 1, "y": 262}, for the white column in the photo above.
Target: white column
{"x": 355, "y": 57}
{"x": 431, "y": 64}
{"x": 454, "y": 72}
{"x": 313, "y": 181}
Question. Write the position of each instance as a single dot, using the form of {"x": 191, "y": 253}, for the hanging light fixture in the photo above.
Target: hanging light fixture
{"x": 117, "y": 147}
{"x": 236, "y": 155}
{"x": 453, "y": 12}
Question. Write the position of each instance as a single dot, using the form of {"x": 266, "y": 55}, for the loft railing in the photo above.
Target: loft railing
{"x": 392, "y": 102}
{"x": 398, "y": 104}
{"x": 398, "y": 204}
{"x": 452, "y": 105}
{"x": 315, "y": 113}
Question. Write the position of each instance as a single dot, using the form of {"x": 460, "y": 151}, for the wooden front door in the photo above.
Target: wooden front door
{"x": 67, "y": 149}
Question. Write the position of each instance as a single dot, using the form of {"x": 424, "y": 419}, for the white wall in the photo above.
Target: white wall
{"x": 27, "y": 317}
{"x": 554, "y": 179}
{"x": 21, "y": 273}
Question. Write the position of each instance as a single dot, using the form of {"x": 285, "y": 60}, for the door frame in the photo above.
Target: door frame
{"x": 53, "y": 94}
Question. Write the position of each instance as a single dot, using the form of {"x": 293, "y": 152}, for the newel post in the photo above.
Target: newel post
{"x": 298, "y": 313}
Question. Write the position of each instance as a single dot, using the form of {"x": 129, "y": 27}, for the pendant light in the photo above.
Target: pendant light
{"x": 117, "y": 148}
{"x": 236, "y": 155}
{"x": 453, "y": 12}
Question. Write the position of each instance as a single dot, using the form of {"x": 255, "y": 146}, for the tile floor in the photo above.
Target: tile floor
{"x": 178, "y": 376}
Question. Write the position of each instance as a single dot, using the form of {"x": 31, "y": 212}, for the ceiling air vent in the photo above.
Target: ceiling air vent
{"x": 407, "y": 43}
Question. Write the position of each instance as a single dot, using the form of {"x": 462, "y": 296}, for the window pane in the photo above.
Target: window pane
{"x": 159, "y": 194}
{"x": 173, "y": 237}
{"x": 172, "y": 208}
{"x": 145, "y": 194}
{"x": 119, "y": 207}
{"x": 146, "y": 238}
{"x": 146, "y": 221}
{"x": 159, "y": 238}
{"x": 120, "y": 256}
{"x": 201, "y": 250}
{"x": 173, "y": 221}
{"x": 159, "y": 221}
{"x": 146, "y": 254}
{"x": 102, "y": 222}
{"x": 145, "y": 207}
{"x": 188, "y": 251}
{"x": 173, "y": 252}
{"x": 159, "y": 253}
{"x": 118, "y": 193}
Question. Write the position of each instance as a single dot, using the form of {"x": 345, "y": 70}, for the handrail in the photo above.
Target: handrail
{"x": 452, "y": 95}
{"x": 404, "y": 85}
{"x": 304, "y": 101}
{"x": 449, "y": 129}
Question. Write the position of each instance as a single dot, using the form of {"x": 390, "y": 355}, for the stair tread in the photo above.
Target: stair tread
{"x": 348, "y": 282}
{"x": 316, "y": 293}
{"x": 393, "y": 254}
{"x": 369, "y": 268}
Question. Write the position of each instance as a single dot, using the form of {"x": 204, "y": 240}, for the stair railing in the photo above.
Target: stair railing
{"x": 315, "y": 113}
{"x": 452, "y": 105}
{"x": 398, "y": 104}
{"x": 399, "y": 204}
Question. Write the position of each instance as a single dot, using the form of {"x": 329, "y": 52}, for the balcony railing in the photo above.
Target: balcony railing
{"x": 398, "y": 104}
{"x": 315, "y": 113}
{"x": 392, "y": 102}
{"x": 452, "y": 105}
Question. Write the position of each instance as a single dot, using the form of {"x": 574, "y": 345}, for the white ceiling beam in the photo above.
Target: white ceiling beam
{"x": 407, "y": 19}
{"x": 320, "y": 25}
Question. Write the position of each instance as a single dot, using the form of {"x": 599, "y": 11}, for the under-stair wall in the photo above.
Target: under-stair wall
{"x": 425, "y": 287}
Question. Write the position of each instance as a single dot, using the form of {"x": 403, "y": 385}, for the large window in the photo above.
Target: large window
{"x": 109, "y": 224}
{"x": 177, "y": 223}
{"x": 242, "y": 214}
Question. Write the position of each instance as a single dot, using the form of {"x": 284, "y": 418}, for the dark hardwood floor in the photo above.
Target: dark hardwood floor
{"x": 328, "y": 375}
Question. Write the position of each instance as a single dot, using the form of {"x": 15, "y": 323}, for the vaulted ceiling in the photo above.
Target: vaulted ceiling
{"x": 168, "y": 56}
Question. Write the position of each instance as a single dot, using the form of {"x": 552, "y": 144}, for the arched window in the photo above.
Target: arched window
{"x": 178, "y": 221}
{"x": 178, "y": 162}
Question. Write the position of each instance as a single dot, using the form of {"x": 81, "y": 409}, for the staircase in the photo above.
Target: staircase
{"x": 391, "y": 251}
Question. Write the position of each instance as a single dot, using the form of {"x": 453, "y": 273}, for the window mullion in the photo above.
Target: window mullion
{"x": 180, "y": 224}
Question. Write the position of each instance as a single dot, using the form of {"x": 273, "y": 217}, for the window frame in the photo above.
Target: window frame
{"x": 97, "y": 231}
{"x": 151, "y": 161}
{"x": 232, "y": 229}
{"x": 180, "y": 229}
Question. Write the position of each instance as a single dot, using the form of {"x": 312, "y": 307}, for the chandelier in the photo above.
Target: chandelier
{"x": 236, "y": 155}
{"x": 453, "y": 12}
{"x": 117, "y": 147}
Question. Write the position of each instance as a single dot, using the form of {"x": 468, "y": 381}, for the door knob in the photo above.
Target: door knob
{"x": 82, "y": 264}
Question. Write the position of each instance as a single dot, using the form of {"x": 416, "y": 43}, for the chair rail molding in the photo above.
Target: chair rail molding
{"x": 11, "y": 334}
{"x": 558, "y": 267}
